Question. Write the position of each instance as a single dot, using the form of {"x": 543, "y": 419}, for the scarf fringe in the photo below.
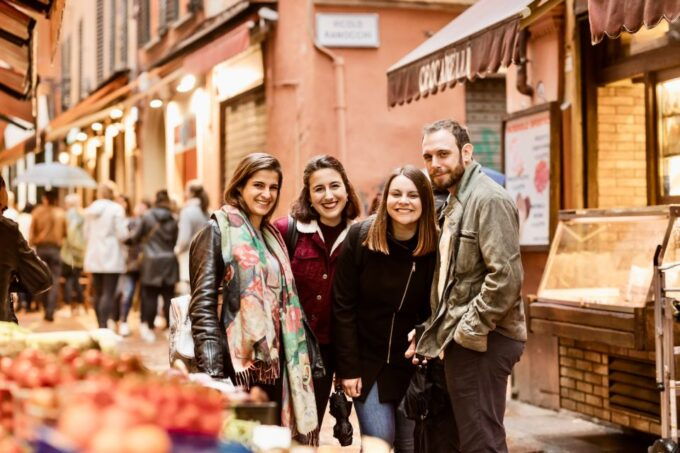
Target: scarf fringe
{"x": 256, "y": 374}
{"x": 311, "y": 439}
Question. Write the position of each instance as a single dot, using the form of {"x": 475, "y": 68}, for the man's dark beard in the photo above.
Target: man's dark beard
{"x": 452, "y": 179}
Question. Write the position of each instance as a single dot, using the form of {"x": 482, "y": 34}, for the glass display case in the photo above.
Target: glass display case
{"x": 598, "y": 278}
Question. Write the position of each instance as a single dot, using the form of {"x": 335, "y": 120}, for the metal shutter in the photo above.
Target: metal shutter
{"x": 485, "y": 108}
{"x": 143, "y": 23}
{"x": 244, "y": 129}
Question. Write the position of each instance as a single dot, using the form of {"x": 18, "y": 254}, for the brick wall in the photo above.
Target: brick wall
{"x": 621, "y": 173}
{"x": 586, "y": 387}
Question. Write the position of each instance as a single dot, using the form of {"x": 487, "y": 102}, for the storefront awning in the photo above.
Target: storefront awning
{"x": 16, "y": 34}
{"x": 612, "y": 17}
{"x": 476, "y": 43}
{"x": 16, "y": 152}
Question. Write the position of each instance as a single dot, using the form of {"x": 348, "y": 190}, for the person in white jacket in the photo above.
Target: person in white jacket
{"x": 105, "y": 231}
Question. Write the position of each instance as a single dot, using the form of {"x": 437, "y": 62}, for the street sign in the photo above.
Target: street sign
{"x": 347, "y": 30}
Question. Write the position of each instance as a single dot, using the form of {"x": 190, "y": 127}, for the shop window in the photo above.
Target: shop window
{"x": 642, "y": 41}
{"x": 668, "y": 106}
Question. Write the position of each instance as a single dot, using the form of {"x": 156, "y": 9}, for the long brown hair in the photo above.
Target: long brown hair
{"x": 376, "y": 239}
{"x": 302, "y": 209}
{"x": 245, "y": 169}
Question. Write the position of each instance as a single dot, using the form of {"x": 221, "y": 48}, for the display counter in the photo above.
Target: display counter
{"x": 596, "y": 295}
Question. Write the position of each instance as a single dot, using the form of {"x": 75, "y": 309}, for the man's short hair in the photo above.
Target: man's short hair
{"x": 456, "y": 129}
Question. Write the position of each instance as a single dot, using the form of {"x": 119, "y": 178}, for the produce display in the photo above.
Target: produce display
{"x": 71, "y": 392}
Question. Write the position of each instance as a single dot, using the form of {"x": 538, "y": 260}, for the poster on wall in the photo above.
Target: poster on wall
{"x": 527, "y": 153}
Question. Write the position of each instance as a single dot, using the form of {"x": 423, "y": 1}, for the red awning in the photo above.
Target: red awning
{"x": 612, "y": 17}
{"x": 222, "y": 48}
{"x": 476, "y": 43}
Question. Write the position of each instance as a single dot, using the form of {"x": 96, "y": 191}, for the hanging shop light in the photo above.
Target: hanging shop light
{"x": 77, "y": 149}
{"x": 187, "y": 83}
{"x": 64, "y": 157}
{"x": 72, "y": 135}
{"x": 116, "y": 113}
{"x": 112, "y": 130}
{"x": 97, "y": 127}
{"x": 156, "y": 103}
{"x": 81, "y": 137}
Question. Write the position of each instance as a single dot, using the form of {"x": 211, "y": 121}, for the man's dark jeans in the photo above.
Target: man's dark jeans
{"x": 477, "y": 384}
{"x": 50, "y": 255}
{"x": 150, "y": 302}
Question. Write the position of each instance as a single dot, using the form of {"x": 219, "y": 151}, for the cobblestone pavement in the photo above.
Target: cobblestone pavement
{"x": 529, "y": 428}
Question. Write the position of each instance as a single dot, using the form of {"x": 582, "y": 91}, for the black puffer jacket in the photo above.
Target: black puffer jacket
{"x": 157, "y": 235}
{"x": 378, "y": 299}
{"x": 20, "y": 268}
{"x": 209, "y": 317}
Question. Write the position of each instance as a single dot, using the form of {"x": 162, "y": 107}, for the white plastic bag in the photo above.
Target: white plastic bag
{"x": 180, "y": 339}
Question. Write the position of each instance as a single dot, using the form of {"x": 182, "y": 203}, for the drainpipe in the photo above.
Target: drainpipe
{"x": 522, "y": 85}
{"x": 340, "y": 96}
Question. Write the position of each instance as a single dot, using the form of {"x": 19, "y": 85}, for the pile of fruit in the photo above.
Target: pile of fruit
{"x": 136, "y": 413}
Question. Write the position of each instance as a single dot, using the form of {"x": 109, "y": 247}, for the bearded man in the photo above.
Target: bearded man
{"x": 477, "y": 325}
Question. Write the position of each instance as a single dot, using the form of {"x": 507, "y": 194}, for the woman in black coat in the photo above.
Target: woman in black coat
{"x": 381, "y": 291}
{"x": 159, "y": 271}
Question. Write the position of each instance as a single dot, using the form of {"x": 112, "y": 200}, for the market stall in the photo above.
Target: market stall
{"x": 72, "y": 392}
{"x": 597, "y": 296}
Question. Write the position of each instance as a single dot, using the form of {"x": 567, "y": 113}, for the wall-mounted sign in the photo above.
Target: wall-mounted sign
{"x": 347, "y": 30}
{"x": 529, "y": 151}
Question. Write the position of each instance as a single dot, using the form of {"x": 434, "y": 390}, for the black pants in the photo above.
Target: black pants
{"x": 150, "y": 302}
{"x": 104, "y": 286}
{"x": 50, "y": 255}
{"x": 477, "y": 384}
{"x": 73, "y": 291}
{"x": 322, "y": 387}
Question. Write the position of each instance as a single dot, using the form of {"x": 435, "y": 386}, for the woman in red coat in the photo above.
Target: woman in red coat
{"x": 314, "y": 232}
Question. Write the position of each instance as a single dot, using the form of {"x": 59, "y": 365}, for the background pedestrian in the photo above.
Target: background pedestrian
{"x": 193, "y": 216}
{"x": 73, "y": 252}
{"x": 105, "y": 232}
{"x": 48, "y": 230}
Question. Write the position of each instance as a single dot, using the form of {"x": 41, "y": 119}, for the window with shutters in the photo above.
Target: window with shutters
{"x": 162, "y": 17}
{"x": 100, "y": 41}
{"x": 113, "y": 14}
{"x": 81, "y": 78}
{"x": 143, "y": 23}
{"x": 123, "y": 40}
{"x": 66, "y": 73}
{"x": 171, "y": 10}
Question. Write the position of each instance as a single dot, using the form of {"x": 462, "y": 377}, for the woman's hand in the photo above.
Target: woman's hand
{"x": 351, "y": 387}
{"x": 411, "y": 350}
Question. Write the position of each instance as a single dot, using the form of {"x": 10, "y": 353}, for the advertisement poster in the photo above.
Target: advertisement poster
{"x": 527, "y": 170}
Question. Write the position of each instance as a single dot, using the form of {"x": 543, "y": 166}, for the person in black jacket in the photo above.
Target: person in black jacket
{"x": 381, "y": 291}
{"x": 159, "y": 271}
{"x": 20, "y": 268}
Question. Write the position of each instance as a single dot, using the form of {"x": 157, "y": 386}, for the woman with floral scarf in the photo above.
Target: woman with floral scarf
{"x": 258, "y": 336}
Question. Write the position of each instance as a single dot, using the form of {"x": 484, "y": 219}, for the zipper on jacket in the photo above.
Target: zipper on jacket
{"x": 401, "y": 303}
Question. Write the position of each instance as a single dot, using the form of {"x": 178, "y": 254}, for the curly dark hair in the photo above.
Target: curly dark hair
{"x": 302, "y": 209}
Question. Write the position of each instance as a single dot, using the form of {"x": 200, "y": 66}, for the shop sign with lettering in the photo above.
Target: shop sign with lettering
{"x": 347, "y": 30}
{"x": 452, "y": 66}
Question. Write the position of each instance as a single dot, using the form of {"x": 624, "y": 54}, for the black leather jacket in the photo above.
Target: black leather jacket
{"x": 209, "y": 319}
{"x": 20, "y": 268}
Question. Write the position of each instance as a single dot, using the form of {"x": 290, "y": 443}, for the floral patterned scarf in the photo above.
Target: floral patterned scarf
{"x": 252, "y": 335}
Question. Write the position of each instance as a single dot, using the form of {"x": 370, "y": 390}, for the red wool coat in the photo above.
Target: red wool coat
{"x": 314, "y": 269}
